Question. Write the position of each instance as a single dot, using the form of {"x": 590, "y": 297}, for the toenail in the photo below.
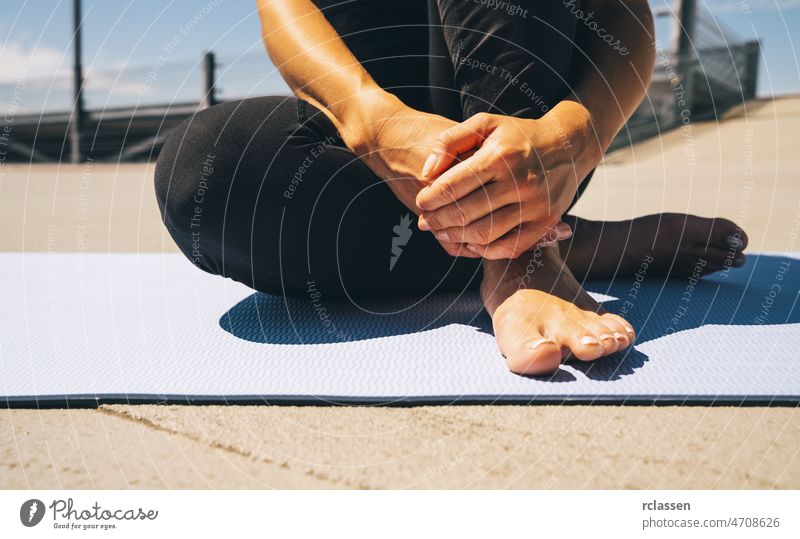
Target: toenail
{"x": 732, "y": 240}
{"x": 738, "y": 261}
{"x": 590, "y": 340}
{"x": 443, "y": 236}
{"x": 619, "y": 336}
{"x": 605, "y": 336}
{"x": 536, "y": 344}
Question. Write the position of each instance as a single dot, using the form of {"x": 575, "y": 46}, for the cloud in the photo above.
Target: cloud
{"x": 42, "y": 63}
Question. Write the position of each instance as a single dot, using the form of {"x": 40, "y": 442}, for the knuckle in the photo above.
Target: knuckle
{"x": 525, "y": 191}
{"x": 504, "y": 252}
{"x": 481, "y": 235}
{"x": 448, "y": 191}
{"x": 456, "y": 216}
{"x": 503, "y": 150}
{"x": 433, "y": 220}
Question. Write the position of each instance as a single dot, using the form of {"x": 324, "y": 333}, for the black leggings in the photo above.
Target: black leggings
{"x": 264, "y": 191}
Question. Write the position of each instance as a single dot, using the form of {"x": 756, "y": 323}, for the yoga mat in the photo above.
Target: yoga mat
{"x": 87, "y": 328}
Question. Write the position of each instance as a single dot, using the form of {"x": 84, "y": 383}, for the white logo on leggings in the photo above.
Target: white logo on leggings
{"x": 402, "y": 235}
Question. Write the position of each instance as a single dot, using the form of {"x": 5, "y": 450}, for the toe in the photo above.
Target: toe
{"x": 725, "y": 234}
{"x": 605, "y": 334}
{"x": 621, "y": 330}
{"x": 624, "y": 328}
{"x": 704, "y": 260}
{"x": 584, "y": 344}
{"x": 537, "y": 355}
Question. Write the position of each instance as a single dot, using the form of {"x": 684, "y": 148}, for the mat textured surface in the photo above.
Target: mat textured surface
{"x": 85, "y": 328}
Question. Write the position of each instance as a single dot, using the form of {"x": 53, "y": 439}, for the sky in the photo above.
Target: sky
{"x": 141, "y": 51}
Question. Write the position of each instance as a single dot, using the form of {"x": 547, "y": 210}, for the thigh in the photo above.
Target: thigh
{"x": 506, "y": 58}
{"x": 511, "y": 58}
{"x": 263, "y": 191}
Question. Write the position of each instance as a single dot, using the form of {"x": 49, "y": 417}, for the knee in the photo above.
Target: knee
{"x": 179, "y": 173}
{"x": 186, "y": 168}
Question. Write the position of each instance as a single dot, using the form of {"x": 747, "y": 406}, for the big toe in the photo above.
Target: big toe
{"x": 534, "y": 356}
{"x": 721, "y": 233}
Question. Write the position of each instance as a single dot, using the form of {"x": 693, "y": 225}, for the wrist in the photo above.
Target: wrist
{"x": 580, "y": 130}
{"x": 364, "y": 117}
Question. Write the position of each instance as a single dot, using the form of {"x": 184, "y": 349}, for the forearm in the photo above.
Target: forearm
{"x": 614, "y": 67}
{"x": 320, "y": 69}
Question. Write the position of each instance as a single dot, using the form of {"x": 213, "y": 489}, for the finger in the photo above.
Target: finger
{"x": 458, "y": 249}
{"x": 457, "y": 182}
{"x": 480, "y": 203}
{"x": 487, "y": 229}
{"x": 514, "y": 243}
{"x": 455, "y": 141}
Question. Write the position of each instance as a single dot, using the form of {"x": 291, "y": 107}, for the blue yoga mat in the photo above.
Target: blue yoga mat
{"x": 90, "y": 328}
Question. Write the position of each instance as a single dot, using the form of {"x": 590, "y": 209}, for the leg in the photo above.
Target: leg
{"x": 671, "y": 243}
{"x": 519, "y": 64}
{"x": 263, "y": 191}
{"x": 536, "y": 40}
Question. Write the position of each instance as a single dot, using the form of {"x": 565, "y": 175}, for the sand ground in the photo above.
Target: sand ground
{"x": 746, "y": 168}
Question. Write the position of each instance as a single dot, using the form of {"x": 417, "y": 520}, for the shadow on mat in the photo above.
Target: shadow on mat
{"x": 764, "y": 291}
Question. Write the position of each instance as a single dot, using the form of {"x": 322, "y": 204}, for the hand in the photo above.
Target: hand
{"x": 512, "y": 192}
{"x": 394, "y": 144}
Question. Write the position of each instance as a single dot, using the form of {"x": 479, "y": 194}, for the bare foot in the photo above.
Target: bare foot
{"x": 674, "y": 241}
{"x": 541, "y": 314}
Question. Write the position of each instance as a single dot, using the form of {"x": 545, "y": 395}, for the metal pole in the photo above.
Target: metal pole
{"x": 208, "y": 98}
{"x": 752, "y": 56}
{"x": 683, "y": 33}
{"x": 77, "y": 87}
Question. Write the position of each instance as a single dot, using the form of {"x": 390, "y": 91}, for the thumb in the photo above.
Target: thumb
{"x": 457, "y": 140}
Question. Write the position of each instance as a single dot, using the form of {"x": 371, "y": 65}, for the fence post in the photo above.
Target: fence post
{"x": 684, "y": 32}
{"x": 76, "y": 120}
{"x": 752, "y": 56}
{"x": 208, "y": 98}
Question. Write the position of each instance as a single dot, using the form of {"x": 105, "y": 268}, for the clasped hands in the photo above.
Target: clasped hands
{"x": 492, "y": 186}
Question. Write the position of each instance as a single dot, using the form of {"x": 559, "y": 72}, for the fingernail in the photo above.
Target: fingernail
{"x": 430, "y": 162}
{"x": 473, "y": 249}
{"x": 563, "y": 231}
{"x": 443, "y": 236}
{"x": 423, "y": 225}
{"x": 541, "y": 342}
